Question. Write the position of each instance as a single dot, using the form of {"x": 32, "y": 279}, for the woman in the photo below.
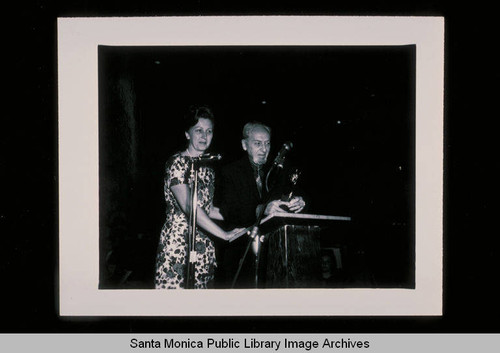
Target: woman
{"x": 172, "y": 250}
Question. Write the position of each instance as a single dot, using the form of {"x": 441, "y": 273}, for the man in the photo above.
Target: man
{"x": 242, "y": 197}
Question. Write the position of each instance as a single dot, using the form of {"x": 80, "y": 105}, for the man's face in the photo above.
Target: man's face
{"x": 257, "y": 145}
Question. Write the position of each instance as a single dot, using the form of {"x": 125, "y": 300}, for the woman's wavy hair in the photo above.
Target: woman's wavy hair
{"x": 195, "y": 113}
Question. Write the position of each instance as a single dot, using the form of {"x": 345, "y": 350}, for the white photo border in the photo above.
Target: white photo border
{"x": 78, "y": 41}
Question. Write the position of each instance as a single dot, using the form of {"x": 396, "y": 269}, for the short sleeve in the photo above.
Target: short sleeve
{"x": 176, "y": 171}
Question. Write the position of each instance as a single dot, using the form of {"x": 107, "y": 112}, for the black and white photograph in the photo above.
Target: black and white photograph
{"x": 340, "y": 120}
{"x": 291, "y": 136}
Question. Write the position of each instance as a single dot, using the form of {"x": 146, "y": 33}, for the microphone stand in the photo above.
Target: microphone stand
{"x": 191, "y": 255}
{"x": 193, "y": 215}
{"x": 254, "y": 239}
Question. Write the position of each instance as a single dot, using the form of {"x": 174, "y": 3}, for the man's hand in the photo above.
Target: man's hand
{"x": 296, "y": 204}
{"x": 274, "y": 207}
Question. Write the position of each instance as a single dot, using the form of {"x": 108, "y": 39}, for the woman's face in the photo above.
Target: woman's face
{"x": 200, "y": 135}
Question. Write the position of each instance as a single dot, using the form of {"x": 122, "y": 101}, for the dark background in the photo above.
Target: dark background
{"x": 29, "y": 214}
{"x": 349, "y": 112}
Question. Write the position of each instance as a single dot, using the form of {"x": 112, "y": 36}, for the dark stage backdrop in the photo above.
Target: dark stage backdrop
{"x": 349, "y": 112}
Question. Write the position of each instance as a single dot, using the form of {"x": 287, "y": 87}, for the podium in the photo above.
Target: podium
{"x": 290, "y": 255}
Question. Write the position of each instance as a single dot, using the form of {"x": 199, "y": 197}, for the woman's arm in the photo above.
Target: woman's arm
{"x": 215, "y": 213}
{"x": 182, "y": 195}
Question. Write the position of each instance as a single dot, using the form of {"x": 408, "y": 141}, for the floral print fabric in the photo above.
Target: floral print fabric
{"x": 173, "y": 245}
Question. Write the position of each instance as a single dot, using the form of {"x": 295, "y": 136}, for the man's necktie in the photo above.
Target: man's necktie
{"x": 258, "y": 180}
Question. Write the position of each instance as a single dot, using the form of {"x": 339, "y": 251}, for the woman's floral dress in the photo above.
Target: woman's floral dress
{"x": 172, "y": 249}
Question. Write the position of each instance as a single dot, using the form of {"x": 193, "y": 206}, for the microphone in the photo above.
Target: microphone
{"x": 208, "y": 157}
{"x": 280, "y": 158}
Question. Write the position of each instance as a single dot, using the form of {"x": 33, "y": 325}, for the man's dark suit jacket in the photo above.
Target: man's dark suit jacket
{"x": 238, "y": 193}
{"x": 237, "y": 197}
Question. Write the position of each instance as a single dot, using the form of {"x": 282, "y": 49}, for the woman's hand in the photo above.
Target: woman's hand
{"x": 229, "y": 235}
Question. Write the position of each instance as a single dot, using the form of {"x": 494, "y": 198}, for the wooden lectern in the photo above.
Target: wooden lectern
{"x": 291, "y": 255}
